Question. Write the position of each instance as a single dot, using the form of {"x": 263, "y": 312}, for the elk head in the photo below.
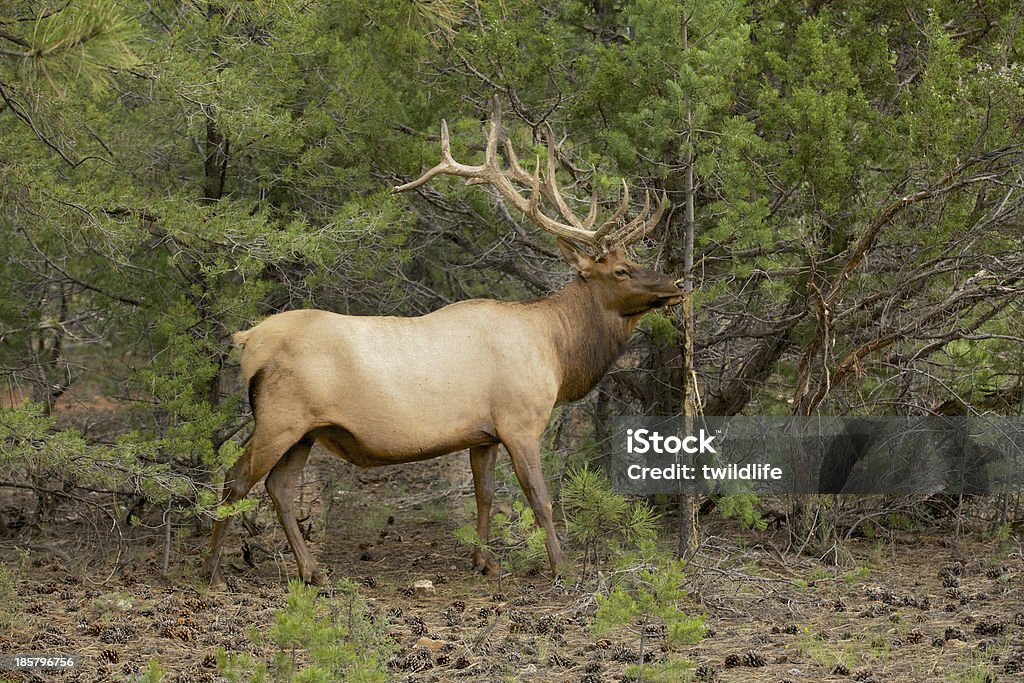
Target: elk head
{"x": 623, "y": 285}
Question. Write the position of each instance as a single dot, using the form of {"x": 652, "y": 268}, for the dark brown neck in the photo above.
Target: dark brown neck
{"x": 588, "y": 337}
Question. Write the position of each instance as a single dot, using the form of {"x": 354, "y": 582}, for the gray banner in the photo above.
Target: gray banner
{"x": 780, "y": 455}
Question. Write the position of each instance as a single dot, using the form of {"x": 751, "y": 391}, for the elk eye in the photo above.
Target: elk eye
{"x": 622, "y": 272}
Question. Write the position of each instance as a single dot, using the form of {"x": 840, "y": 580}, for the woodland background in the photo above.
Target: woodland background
{"x": 173, "y": 171}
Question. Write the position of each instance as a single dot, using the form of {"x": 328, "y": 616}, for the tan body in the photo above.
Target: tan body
{"x": 385, "y": 390}
{"x": 439, "y": 384}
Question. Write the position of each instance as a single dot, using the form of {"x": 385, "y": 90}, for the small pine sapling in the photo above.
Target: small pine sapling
{"x": 603, "y": 520}
{"x": 644, "y": 599}
{"x": 317, "y": 639}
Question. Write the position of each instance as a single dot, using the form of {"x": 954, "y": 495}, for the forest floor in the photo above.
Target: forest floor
{"x": 909, "y": 605}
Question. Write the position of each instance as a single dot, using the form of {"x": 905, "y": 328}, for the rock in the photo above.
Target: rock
{"x": 424, "y": 588}
{"x": 430, "y": 644}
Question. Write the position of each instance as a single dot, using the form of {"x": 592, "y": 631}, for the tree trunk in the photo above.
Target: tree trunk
{"x": 689, "y": 534}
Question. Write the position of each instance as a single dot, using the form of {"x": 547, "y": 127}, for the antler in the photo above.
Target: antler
{"x": 610, "y": 234}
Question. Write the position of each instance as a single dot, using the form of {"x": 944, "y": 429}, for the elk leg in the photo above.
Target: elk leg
{"x": 280, "y": 485}
{"x": 525, "y": 455}
{"x": 255, "y": 462}
{"x": 482, "y": 459}
{"x": 233, "y": 484}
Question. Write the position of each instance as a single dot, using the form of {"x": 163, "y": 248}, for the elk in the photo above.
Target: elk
{"x": 471, "y": 375}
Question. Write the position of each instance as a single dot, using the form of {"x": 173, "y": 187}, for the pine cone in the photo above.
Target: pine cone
{"x": 559, "y": 660}
{"x": 955, "y": 633}
{"x": 704, "y": 672}
{"x": 754, "y": 659}
{"x": 417, "y": 626}
{"x": 991, "y": 626}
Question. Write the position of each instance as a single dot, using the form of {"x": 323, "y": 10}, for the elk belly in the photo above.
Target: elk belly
{"x": 379, "y": 450}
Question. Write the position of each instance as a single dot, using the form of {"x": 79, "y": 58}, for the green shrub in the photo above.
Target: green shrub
{"x": 317, "y": 639}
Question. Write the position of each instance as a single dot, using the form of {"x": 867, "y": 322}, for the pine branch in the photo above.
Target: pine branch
{"x": 14, "y": 39}
{"x": 81, "y": 41}
{"x": 27, "y": 120}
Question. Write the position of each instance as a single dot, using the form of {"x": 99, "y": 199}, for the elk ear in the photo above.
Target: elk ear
{"x": 575, "y": 258}
{"x": 616, "y": 254}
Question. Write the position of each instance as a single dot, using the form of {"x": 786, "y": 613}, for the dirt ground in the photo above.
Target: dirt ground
{"x": 906, "y": 605}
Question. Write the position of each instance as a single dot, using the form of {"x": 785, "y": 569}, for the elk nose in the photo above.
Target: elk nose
{"x": 679, "y": 283}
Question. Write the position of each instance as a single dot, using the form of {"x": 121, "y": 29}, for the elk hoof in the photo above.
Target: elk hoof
{"x": 212, "y": 571}
{"x": 313, "y": 576}
{"x": 486, "y": 565}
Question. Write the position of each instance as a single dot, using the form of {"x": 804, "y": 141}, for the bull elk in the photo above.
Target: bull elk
{"x": 475, "y": 374}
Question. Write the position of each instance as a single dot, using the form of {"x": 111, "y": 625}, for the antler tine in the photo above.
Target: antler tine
{"x": 639, "y": 226}
{"x": 619, "y": 236}
{"x": 591, "y": 214}
{"x": 447, "y": 165}
{"x": 490, "y": 169}
{"x": 569, "y": 232}
{"x": 602, "y": 233}
{"x": 515, "y": 171}
{"x": 534, "y": 205}
{"x": 446, "y": 144}
{"x": 550, "y": 187}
